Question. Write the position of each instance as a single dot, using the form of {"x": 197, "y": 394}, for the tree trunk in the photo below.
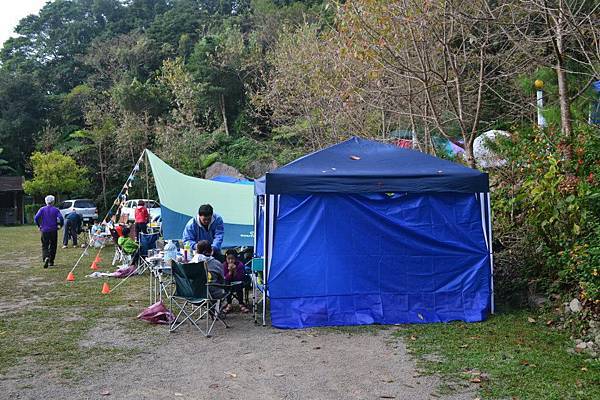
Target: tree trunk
{"x": 102, "y": 173}
{"x": 222, "y": 101}
{"x": 561, "y": 75}
{"x": 469, "y": 152}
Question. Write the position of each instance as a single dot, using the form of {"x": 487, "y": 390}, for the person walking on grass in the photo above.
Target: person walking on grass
{"x": 48, "y": 219}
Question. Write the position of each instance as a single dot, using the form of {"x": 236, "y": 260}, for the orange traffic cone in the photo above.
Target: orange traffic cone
{"x": 105, "y": 288}
{"x": 70, "y": 277}
{"x": 94, "y": 266}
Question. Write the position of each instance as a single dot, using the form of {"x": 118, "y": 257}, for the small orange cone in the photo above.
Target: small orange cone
{"x": 70, "y": 277}
{"x": 97, "y": 259}
{"x": 94, "y": 266}
{"x": 105, "y": 288}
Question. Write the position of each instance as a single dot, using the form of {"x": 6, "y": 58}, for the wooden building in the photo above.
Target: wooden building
{"x": 11, "y": 200}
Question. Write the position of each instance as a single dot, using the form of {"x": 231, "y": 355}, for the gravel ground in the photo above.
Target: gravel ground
{"x": 243, "y": 362}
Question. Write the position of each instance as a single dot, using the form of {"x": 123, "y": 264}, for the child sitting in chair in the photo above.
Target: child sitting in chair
{"x": 234, "y": 272}
{"x": 128, "y": 245}
{"x": 215, "y": 270}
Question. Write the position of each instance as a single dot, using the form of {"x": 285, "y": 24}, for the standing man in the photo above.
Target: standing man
{"x": 48, "y": 219}
{"x": 72, "y": 228}
{"x": 206, "y": 226}
{"x": 141, "y": 219}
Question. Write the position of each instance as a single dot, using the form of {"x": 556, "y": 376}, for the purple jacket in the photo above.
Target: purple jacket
{"x": 237, "y": 276}
{"x": 47, "y": 218}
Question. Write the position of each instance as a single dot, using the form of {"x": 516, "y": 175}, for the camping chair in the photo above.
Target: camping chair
{"x": 147, "y": 242}
{"x": 259, "y": 294}
{"x": 119, "y": 253}
{"x": 193, "y": 297}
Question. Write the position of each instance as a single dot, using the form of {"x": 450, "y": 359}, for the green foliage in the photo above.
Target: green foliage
{"x": 55, "y": 173}
{"x": 5, "y": 168}
{"x": 553, "y": 204}
{"x": 139, "y": 98}
{"x": 30, "y": 210}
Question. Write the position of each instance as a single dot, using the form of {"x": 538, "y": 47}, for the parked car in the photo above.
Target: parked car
{"x": 129, "y": 208}
{"x": 84, "y": 207}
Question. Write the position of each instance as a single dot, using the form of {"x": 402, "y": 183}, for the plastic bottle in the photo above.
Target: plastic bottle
{"x": 186, "y": 252}
{"x": 170, "y": 251}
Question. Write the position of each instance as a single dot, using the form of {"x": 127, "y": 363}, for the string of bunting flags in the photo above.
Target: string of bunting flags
{"x": 118, "y": 203}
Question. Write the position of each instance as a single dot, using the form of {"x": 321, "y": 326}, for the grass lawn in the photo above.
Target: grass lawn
{"x": 70, "y": 328}
{"x": 46, "y": 320}
{"x": 507, "y": 356}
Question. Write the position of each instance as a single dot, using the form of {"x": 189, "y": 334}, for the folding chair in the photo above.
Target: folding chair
{"x": 259, "y": 294}
{"x": 147, "y": 242}
{"x": 193, "y": 297}
{"x": 119, "y": 253}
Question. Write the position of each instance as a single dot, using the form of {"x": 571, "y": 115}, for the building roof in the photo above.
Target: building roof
{"x": 11, "y": 183}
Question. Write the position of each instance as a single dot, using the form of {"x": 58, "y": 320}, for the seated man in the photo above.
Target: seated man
{"x": 206, "y": 226}
{"x": 215, "y": 268}
{"x": 129, "y": 245}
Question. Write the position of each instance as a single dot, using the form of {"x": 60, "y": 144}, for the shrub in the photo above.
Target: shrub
{"x": 547, "y": 210}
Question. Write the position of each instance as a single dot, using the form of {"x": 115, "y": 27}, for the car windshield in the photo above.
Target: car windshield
{"x": 64, "y": 204}
{"x": 84, "y": 204}
{"x": 152, "y": 204}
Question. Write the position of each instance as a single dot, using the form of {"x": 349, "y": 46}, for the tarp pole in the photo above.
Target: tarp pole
{"x": 489, "y": 210}
{"x": 135, "y": 168}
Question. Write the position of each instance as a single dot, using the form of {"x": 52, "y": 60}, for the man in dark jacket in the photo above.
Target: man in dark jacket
{"x": 72, "y": 228}
{"x": 48, "y": 219}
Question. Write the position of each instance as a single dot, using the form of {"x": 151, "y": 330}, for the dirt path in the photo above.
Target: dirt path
{"x": 244, "y": 362}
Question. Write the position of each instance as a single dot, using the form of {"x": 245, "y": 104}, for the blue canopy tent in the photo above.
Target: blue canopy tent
{"x": 363, "y": 232}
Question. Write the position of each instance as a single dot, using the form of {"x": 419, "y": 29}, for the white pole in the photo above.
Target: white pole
{"x": 489, "y": 204}
{"x": 541, "y": 121}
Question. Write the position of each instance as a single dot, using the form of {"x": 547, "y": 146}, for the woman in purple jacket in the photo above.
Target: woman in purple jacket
{"x": 48, "y": 219}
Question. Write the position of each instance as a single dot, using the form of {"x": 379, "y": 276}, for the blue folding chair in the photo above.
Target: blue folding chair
{"x": 147, "y": 242}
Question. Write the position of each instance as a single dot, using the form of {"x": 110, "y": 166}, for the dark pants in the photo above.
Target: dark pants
{"x": 135, "y": 257}
{"x": 49, "y": 240}
{"x": 140, "y": 227}
{"x": 238, "y": 292}
{"x": 70, "y": 231}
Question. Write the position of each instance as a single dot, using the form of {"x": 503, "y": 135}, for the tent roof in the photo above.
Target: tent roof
{"x": 361, "y": 166}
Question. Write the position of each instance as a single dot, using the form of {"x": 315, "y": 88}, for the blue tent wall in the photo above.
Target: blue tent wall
{"x": 339, "y": 251}
{"x": 378, "y": 258}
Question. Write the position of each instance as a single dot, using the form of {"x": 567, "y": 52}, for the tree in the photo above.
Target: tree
{"x": 441, "y": 63}
{"x": 23, "y": 107}
{"x": 55, "y": 173}
{"x": 4, "y": 167}
{"x": 561, "y": 34}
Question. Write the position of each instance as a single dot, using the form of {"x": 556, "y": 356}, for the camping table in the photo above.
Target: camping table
{"x": 158, "y": 284}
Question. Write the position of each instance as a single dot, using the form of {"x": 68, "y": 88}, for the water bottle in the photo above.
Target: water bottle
{"x": 170, "y": 251}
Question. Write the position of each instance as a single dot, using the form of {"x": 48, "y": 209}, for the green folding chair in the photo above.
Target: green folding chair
{"x": 193, "y": 299}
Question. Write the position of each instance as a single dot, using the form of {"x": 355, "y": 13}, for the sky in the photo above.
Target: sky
{"x": 11, "y": 12}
